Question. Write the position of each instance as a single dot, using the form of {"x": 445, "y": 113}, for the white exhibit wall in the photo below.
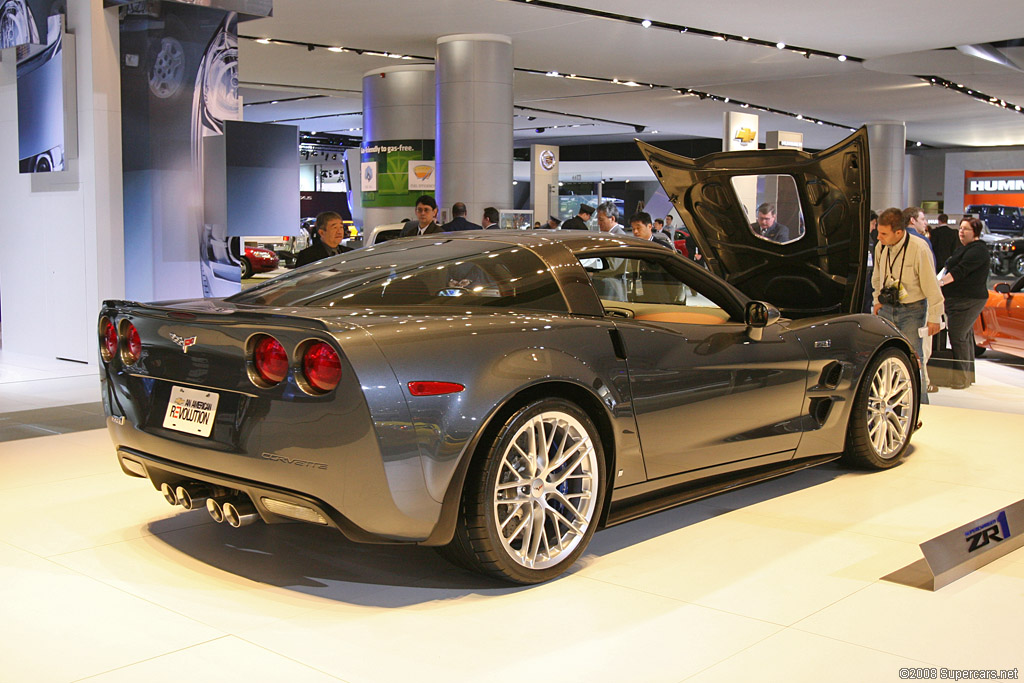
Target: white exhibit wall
{"x": 62, "y": 232}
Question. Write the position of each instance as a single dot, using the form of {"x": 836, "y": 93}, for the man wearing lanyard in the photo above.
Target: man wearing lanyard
{"x": 904, "y": 288}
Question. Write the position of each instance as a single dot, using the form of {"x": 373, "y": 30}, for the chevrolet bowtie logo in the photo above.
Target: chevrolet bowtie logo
{"x": 745, "y": 135}
{"x": 183, "y": 342}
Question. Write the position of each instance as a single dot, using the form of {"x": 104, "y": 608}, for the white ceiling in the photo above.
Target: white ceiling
{"x": 896, "y": 39}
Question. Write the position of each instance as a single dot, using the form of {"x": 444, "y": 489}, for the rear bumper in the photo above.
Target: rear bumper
{"x": 159, "y": 471}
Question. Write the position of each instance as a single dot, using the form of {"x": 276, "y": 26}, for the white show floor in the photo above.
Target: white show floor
{"x": 100, "y": 579}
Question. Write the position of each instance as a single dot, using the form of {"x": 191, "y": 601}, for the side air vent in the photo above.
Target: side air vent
{"x": 820, "y": 409}
{"x": 831, "y": 375}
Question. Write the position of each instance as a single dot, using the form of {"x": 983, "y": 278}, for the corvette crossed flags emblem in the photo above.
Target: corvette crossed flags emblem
{"x": 183, "y": 342}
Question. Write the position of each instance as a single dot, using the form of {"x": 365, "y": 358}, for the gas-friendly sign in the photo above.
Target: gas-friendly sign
{"x": 402, "y": 171}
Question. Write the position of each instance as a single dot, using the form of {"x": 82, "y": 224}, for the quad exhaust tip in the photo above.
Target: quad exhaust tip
{"x": 236, "y": 510}
{"x": 239, "y": 512}
{"x": 216, "y": 510}
{"x": 168, "y": 493}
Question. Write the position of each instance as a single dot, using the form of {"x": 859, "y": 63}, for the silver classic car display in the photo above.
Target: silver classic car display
{"x": 501, "y": 395}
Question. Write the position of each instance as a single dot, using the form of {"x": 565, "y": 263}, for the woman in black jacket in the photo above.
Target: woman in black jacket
{"x": 965, "y": 288}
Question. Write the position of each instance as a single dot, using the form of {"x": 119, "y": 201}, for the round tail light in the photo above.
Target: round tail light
{"x": 270, "y": 360}
{"x": 321, "y": 366}
{"x": 108, "y": 349}
{"x": 132, "y": 345}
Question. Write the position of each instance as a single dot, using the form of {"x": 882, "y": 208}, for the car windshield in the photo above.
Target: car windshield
{"x": 418, "y": 272}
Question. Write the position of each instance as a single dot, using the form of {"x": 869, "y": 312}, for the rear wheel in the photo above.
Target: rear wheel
{"x": 246, "y": 268}
{"x": 884, "y": 412}
{"x": 531, "y": 504}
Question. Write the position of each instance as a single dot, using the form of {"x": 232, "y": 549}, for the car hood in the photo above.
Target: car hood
{"x": 820, "y": 272}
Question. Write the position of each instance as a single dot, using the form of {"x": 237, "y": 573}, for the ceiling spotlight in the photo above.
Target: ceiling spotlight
{"x": 781, "y": 46}
{"x": 726, "y": 100}
{"x": 799, "y": 117}
{"x": 515, "y": 182}
{"x": 263, "y": 41}
{"x": 654, "y": 131}
{"x": 310, "y": 47}
{"x": 918, "y": 143}
{"x": 683, "y": 30}
{"x": 540, "y": 130}
{"x": 335, "y": 49}
{"x": 551, "y": 73}
{"x": 639, "y": 129}
{"x": 560, "y": 183}
{"x": 646, "y": 23}
{"x": 745, "y": 37}
{"x": 841, "y": 58}
{"x": 719, "y": 37}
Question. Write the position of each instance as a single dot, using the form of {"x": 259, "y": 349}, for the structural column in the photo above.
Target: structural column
{"x": 887, "y": 142}
{"x": 398, "y": 113}
{"x": 474, "y": 122}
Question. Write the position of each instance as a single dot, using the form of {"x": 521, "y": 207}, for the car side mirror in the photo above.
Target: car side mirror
{"x": 1003, "y": 287}
{"x": 758, "y": 315}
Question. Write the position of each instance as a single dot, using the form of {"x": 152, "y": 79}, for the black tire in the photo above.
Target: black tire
{"x": 246, "y": 269}
{"x": 979, "y": 351}
{"x": 884, "y": 412}
{"x": 562, "y": 490}
{"x": 1017, "y": 266}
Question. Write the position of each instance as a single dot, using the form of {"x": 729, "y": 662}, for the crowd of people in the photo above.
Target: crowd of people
{"x": 921, "y": 274}
{"x": 917, "y": 275}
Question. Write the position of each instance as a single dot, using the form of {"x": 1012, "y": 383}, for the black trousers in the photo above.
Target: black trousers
{"x": 960, "y": 316}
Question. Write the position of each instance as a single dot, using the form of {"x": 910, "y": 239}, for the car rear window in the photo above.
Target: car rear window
{"x": 414, "y": 273}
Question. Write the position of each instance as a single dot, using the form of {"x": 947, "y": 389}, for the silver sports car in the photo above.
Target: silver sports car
{"x": 504, "y": 394}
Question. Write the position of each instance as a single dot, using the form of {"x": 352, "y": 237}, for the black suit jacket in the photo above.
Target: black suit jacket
{"x": 412, "y": 228}
{"x": 945, "y": 241}
{"x": 575, "y": 223}
{"x": 459, "y": 223}
{"x": 315, "y": 252}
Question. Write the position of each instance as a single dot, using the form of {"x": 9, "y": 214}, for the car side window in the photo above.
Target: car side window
{"x": 645, "y": 289}
{"x": 509, "y": 278}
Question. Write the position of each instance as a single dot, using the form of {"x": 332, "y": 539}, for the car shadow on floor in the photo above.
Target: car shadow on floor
{"x": 321, "y": 562}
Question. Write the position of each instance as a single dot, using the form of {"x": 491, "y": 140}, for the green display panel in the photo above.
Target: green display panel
{"x": 396, "y": 172}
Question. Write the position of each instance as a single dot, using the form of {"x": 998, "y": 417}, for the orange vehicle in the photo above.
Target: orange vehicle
{"x": 1001, "y": 324}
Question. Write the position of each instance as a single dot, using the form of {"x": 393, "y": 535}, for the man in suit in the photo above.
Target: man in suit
{"x": 426, "y": 212}
{"x": 490, "y": 220}
{"x": 608, "y": 219}
{"x": 768, "y": 225}
{"x": 458, "y": 221}
{"x": 945, "y": 240}
{"x": 553, "y": 223}
{"x": 331, "y": 230}
{"x": 642, "y": 228}
{"x": 579, "y": 221}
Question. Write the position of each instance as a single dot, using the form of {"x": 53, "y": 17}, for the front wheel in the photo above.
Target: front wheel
{"x": 884, "y": 413}
{"x": 532, "y": 502}
{"x": 1017, "y": 267}
{"x": 246, "y": 269}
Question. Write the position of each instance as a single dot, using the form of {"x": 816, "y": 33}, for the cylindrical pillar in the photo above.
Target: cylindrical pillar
{"x": 474, "y": 122}
{"x": 398, "y": 108}
{"x": 887, "y": 143}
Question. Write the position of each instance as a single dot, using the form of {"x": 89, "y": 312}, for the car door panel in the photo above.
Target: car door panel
{"x": 706, "y": 395}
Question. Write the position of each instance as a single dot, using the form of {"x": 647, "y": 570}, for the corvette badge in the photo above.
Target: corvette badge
{"x": 183, "y": 342}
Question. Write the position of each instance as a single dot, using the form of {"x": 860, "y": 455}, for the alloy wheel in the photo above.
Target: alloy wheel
{"x": 168, "y": 71}
{"x": 545, "y": 493}
{"x": 890, "y": 407}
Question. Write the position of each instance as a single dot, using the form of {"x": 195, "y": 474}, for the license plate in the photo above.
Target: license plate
{"x": 191, "y": 410}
